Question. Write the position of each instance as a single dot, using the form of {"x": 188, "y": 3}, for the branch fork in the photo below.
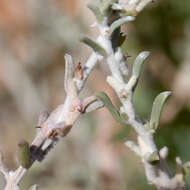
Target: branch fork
{"x": 57, "y": 124}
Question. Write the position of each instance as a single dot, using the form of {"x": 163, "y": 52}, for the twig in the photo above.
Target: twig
{"x": 57, "y": 124}
{"x": 156, "y": 168}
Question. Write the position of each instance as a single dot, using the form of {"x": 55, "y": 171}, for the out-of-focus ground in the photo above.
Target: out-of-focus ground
{"x": 35, "y": 35}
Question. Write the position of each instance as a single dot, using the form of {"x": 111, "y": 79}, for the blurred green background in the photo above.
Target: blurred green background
{"x": 35, "y": 35}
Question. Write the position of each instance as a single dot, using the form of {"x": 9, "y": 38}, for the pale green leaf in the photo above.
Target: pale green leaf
{"x": 95, "y": 46}
{"x": 108, "y": 104}
{"x": 137, "y": 66}
{"x": 94, "y": 105}
{"x": 119, "y": 22}
{"x": 157, "y": 109}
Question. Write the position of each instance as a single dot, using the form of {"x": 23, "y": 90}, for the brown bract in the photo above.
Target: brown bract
{"x": 78, "y": 71}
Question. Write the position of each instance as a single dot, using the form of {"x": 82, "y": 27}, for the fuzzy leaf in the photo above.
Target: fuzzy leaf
{"x": 119, "y": 22}
{"x": 108, "y": 104}
{"x": 24, "y": 154}
{"x": 96, "y": 47}
{"x": 137, "y": 66}
{"x": 94, "y": 105}
{"x": 157, "y": 109}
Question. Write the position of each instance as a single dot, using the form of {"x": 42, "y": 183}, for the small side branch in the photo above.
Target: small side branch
{"x": 52, "y": 126}
{"x": 156, "y": 168}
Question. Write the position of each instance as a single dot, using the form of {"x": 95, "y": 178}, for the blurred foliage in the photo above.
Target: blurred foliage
{"x": 162, "y": 27}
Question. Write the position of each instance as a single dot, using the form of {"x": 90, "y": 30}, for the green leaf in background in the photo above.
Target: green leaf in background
{"x": 157, "y": 109}
{"x": 108, "y": 104}
{"x": 137, "y": 66}
{"x": 119, "y": 22}
{"x": 96, "y": 47}
{"x": 23, "y": 154}
{"x": 122, "y": 134}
